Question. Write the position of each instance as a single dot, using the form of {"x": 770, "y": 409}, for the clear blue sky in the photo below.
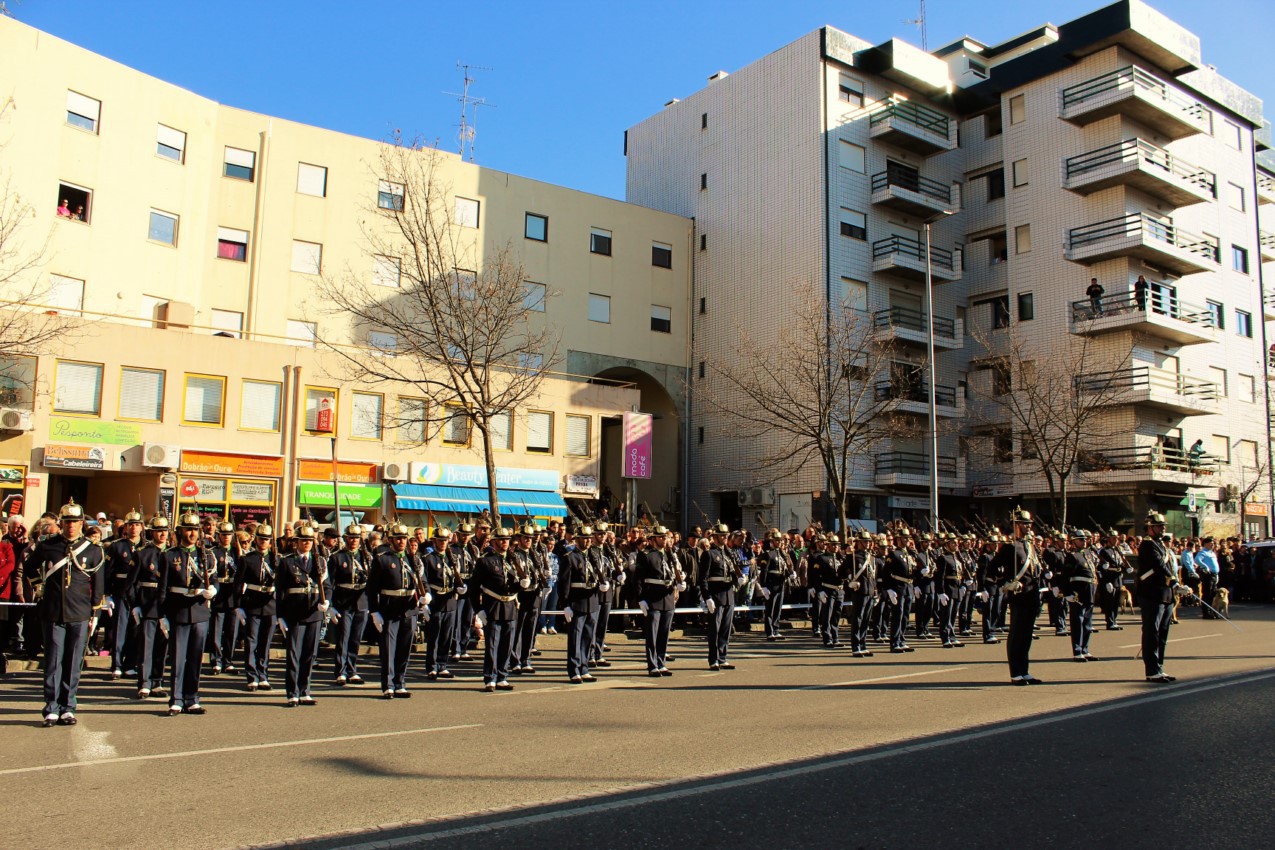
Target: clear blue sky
{"x": 566, "y": 77}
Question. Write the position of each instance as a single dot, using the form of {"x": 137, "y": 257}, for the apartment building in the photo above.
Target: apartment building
{"x": 1104, "y": 148}
{"x": 182, "y": 242}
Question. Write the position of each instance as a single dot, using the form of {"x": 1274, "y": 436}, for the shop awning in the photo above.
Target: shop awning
{"x": 472, "y": 500}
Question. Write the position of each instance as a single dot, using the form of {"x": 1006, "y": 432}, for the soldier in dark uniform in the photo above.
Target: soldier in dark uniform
{"x": 67, "y": 573}
{"x": 578, "y": 589}
{"x": 947, "y": 579}
{"x": 1052, "y": 557}
{"x": 465, "y": 556}
{"x": 861, "y": 566}
{"x": 347, "y": 569}
{"x": 301, "y": 597}
{"x": 1080, "y": 580}
{"x": 187, "y": 585}
{"x": 826, "y": 577}
{"x": 1112, "y": 568}
{"x": 609, "y": 572}
{"x": 773, "y": 567}
{"x": 119, "y": 563}
{"x": 532, "y": 563}
{"x": 989, "y": 589}
{"x": 499, "y": 576}
{"x": 254, "y": 588}
{"x": 657, "y": 577}
{"x": 969, "y": 567}
{"x": 925, "y": 596}
{"x": 1156, "y": 588}
{"x": 443, "y": 579}
{"x": 1019, "y": 570}
{"x": 144, "y": 594}
{"x": 223, "y": 627}
{"x": 900, "y": 573}
{"x": 392, "y": 590}
{"x": 719, "y": 576}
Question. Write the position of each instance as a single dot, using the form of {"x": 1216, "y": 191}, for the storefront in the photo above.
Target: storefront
{"x": 241, "y": 488}
{"x": 457, "y": 491}
{"x": 321, "y": 482}
{"x": 13, "y": 480}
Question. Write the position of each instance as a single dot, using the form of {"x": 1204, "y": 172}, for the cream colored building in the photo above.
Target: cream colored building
{"x": 196, "y": 260}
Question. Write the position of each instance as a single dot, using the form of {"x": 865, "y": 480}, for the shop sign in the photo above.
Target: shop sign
{"x": 317, "y": 494}
{"x": 65, "y": 429}
{"x": 240, "y": 514}
{"x": 203, "y": 489}
{"x": 639, "y": 435}
{"x": 914, "y": 503}
{"x": 215, "y": 463}
{"x": 323, "y": 419}
{"x": 582, "y": 484}
{"x": 12, "y": 476}
{"x": 74, "y": 457}
{"x": 1255, "y": 509}
{"x": 352, "y": 472}
{"x": 32, "y": 481}
{"x": 167, "y": 501}
{"x": 459, "y": 475}
{"x": 251, "y": 491}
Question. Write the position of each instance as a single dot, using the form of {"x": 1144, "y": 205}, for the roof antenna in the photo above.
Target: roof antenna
{"x": 468, "y": 126}
{"x": 919, "y": 21}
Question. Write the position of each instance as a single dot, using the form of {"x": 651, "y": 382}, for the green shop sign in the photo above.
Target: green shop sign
{"x": 352, "y": 495}
{"x": 65, "y": 429}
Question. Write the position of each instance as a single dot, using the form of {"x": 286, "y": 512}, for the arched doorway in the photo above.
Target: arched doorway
{"x": 659, "y": 495}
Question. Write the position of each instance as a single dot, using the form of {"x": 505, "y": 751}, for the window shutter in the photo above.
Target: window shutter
{"x": 141, "y": 394}
{"x": 578, "y": 435}
{"x": 312, "y": 179}
{"x": 307, "y": 257}
{"x": 203, "y": 399}
{"x": 539, "y": 431}
{"x": 242, "y": 158}
{"x": 501, "y": 434}
{"x": 81, "y": 105}
{"x": 365, "y": 412}
{"x": 171, "y": 138}
{"x": 79, "y": 388}
{"x": 260, "y": 406}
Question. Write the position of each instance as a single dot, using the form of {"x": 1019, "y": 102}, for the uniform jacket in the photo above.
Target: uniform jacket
{"x": 655, "y": 572}
{"x": 498, "y": 582}
{"x": 255, "y": 583}
{"x": 347, "y": 573}
{"x": 861, "y": 568}
{"x": 1080, "y": 576}
{"x": 1020, "y": 559}
{"x": 716, "y": 571}
{"x": 69, "y": 591}
{"x": 142, "y": 587}
{"x": 773, "y": 568}
{"x": 441, "y": 579}
{"x": 1157, "y": 572}
{"x": 224, "y": 569}
{"x": 119, "y": 563}
{"x": 900, "y": 569}
{"x": 183, "y": 572}
{"x": 391, "y": 584}
{"x": 296, "y": 588}
{"x": 578, "y": 582}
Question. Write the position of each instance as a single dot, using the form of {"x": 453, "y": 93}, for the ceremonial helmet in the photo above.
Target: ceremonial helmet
{"x": 584, "y": 531}
{"x": 721, "y": 528}
{"x": 832, "y": 538}
{"x": 225, "y": 528}
{"x": 502, "y": 533}
{"x": 159, "y": 522}
{"x": 602, "y": 527}
{"x": 442, "y": 532}
{"x": 1155, "y": 518}
{"x": 883, "y": 539}
{"x": 397, "y": 530}
{"x": 264, "y": 530}
{"x": 134, "y": 516}
{"x": 305, "y": 532}
{"x": 1021, "y": 515}
{"x": 465, "y": 528}
{"x": 354, "y": 530}
{"x": 903, "y": 532}
{"x": 71, "y": 511}
{"x": 866, "y": 535}
{"x": 529, "y": 529}
{"x": 658, "y": 531}
{"x": 188, "y": 519}
{"x": 774, "y": 534}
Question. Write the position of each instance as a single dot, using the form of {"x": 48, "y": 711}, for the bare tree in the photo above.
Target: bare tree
{"x": 453, "y": 325}
{"x": 820, "y": 391}
{"x": 1250, "y": 473}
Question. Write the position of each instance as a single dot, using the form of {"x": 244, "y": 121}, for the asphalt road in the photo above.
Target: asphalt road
{"x": 823, "y": 741}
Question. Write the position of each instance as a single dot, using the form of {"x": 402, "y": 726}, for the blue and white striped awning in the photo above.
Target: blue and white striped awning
{"x": 473, "y": 500}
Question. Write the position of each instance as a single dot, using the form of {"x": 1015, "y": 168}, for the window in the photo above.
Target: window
{"x": 599, "y": 308}
{"x": 1218, "y": 376}
{"x": 500, "y": 431}
{"x": 703, "y": 121}
{"x": 702, "y": 367}
{"x": 382, "y": 341}
{"x": 227, "y": 323}
{"x": 83, "y": 111}
{"x": 163, "y": 228}
{"x": 578, "y": 435}
{"x": 850, "y": 90}
{"x": 1020, "y": 172}
{"x": 365, "y": 416}
{"x": 141, "y": 394}
{"x": 599, "y": 241}
{"x": 316, "y": 399}
{"x": 259, "y": 405}
{"x": 1220, "y": 448}
{"x": 529, "y": 362}
{"x": 976, "y": 68}
{"x": 1248, "y": 388}
{"x": 662, "y": 255}
{"x": 389, "y": 196}
{"x": 998, "y": 310}
{"x": 1244, "y": 323}
{"x": 1239, "y": 259}
{"x": 75, "y": 203}
{"x": 170, "y": 143}
{"x": 240, "y": 164}
{"x": 456, "y": 426}
{"x": 703, "y": 181}
{"x": 17, "y": 382}
{"x": 1017, "y": 109}
{"x": 232, "y": 244}
{"x": 703, "y": 306}
{"x": 661, "y": 319}
{"x": 386, "y": 271}
{"x": 204, "y": 400}
{"x": 1023, "y": 239}
{"x": 1026, "y": 307}
{"x": 1003, "y": 447}
{"x": 539, "y": 432}
{"x": 852, "y": 157}
{"x": 534, "y": 295}
{"x": 1232, "y": 134}
{"x": 412, "y": 418}
{"x": 1246, "y": 453}
{"x": 700, "y": 435}
{"x": 77, "y": 387}
{"x": 536, "y": 227}
{"x": 992, "y": 123}
{"x": 466, "y": 285}
{"x": 302, "y": 334}
{"x": 466, "y": 212}
{"x": 998, "y": 249}
{"x": 1235, "y": 196}
{"x": 703, "y": 241}
{"x": 995, "y": 184}
{"x": 65, "y": 295}
{"x": 312, "y": 180}
{"x": 307, "y": 257}
{"x": 1218, "y": 312}
{"x": 854, "y": 224}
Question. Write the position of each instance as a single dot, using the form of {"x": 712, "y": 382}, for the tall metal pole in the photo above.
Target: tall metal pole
{"x": 929, "y": 354}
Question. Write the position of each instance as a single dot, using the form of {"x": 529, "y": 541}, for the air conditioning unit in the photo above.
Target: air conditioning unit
{"x": 394, "y": 472}
{"x": 761, "y": 497}
{"x": 161, "y": 455}
{"x": 12, "y": 419}
{"x": 741, "y": 498}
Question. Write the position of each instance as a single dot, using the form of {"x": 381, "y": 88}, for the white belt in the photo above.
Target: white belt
{"x": 494, "y": 595}
{"x": 407, "y": 592}
{"x": 183, "y": 591}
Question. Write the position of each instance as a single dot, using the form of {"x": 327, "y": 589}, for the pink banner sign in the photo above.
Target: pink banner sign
{"x": 638, "y": 444}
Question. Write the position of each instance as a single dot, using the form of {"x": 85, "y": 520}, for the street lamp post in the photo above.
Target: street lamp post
{"x": 931, "y": 365}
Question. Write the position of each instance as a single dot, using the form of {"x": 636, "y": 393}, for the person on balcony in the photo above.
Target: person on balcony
{"x": 1140, "y": 287}
{"x": 1095, "y": 293}
{"x": 1195, "y": 455}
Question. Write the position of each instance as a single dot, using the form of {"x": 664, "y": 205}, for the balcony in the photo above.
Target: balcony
{"x": 912, "y": 194}
{"x": 908, "y": 326}
{"x": 913, "y": 127}
{"x": 1268, "y": 306}
{"x": 1139, "y": 235}
{"x": 1151, "y": 387}
{"x": 1265, "y": 188}
{"x": 1266, "y": 245}
{"x": 912, "y": 396}
{"x": 912, "y": 469}
{"x": 1144, "y": 166}
{"x": 1139, "y": 95}
{"x": 1156, "y": 314}
{"x": 1146, "y": 464}
{"x": 905, "y": 257}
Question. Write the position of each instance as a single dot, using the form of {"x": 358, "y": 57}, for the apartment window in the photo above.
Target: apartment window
{"x": 661, "y": 319}
{"x": 703, "y": 181}
{"x": 1003, "y": 447}
{"x": 1246, "y": 453}
{"x": 579, "y": 436}
{"x": 83, "y": 111}
{"x": 1232, "y": 134}
{"x": 204, "y": 400}
{"x": 317, "y": 399}
{"x": 703, "y": 306}
{"x": 500, "y": 431}
{"x": 699, "y": 437}
{"x": 1023, "y": 239}
{"x": 467, "y": 212}
{"x": 529, "y": 362}
{"x": 456, "y": 426}
{"x": 1218, "y": 312}
{"x": 1017, "y": 109}
{"x": 232, "y": 244}
{"x": 995, "y": 184}
{"x": 1020, "y": 172}
{"x": 412, "y": 419}
{"x": 1218, "y": 376}
{"x": 976, "y": 68}
{"x": 703, "y": 121}
{"x": 536, "y": 227}
{"x": 850, "y": 90}
{"x": 1235, "y": 196}
{"x": 312, "y": 180}
{"x": 259, "y": 405}
{"x": 852, "y": 156}
{"x": 240, "y": 164}
{"x": 1244, "y": 323}
{"x": 365, "y": 416}
{"x": 998, "y": 309}
{"x": 1220, "y": 448}
{"x": 389, "y": 196}
{"x": 302, "y": 334}
{"x": 307, "y": 257}
{"x": 386, "y": 271}
{"x": 382, "y": 341}
{"x": 599, "y": 308}
{"x": 65, "y": 295}
{"x": 77, "y": 387}
{"x": 1239, "y": 259}
{"x": 227, "y": 323}
{"x": 854, "y": 224}
{"x": 998, "y": 248}
{"x": 599, "y": 241}
{"x": 1248, "y": 388}
{"x": 75, "y": 203}
{"x": 1026, "y": 307}
{"x": 703, "y": 241}
{"x": 701, "y": 368}
{"x": 662, "y": 255}
{"x": 534, "y": 295}
{"x": 466, "y": 284}
{"x": 170, "y": 143}
{"x": 17, "y": 382}
{"x": 992, "y": 123}
{"x": 539, "y": 432}
{"x": 141, "y": 394}
{"x": 163, "y": 228}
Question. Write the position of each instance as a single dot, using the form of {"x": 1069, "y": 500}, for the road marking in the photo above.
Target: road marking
{"x": 239, "y": 749}
{"x": 1172, "y": 640}
{"x": 648, "y": 793}
{"x": 878, "y": 679}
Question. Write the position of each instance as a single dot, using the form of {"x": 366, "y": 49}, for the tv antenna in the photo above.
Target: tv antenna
{"x": 919, "y": 21}
{"x": 468, "y": 125}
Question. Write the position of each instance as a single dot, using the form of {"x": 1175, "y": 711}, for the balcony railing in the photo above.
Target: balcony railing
{"x": 922, "y": 116}
{"x": 1147, "y": 378}
{"x": 939, "y": 192}
{"x": 1131, "y": 77}
{"x": 913, "y": 320}
{"x": 1266, "y": 243}
{"x": 1147, "y": 458}
{"x": 918, "y": 391}
{"x": 1157, "y": 302}
{"x": 1136, "y": 150}
{"x": 913, "y": 249}
{"x": 913, "y": 463}
{"x": 1265, "y": 188}
{"x": 1142, "y": 226}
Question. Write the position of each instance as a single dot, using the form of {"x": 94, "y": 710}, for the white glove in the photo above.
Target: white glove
{"x": 854, "y": 585}
{"x": 1181, "y": 590}
{"x": 894, "y": 597}
{"x": 981, "y": 596}
{"x": 710, "y": 606}
{"x": 823, "y": 597}
{"x": 323, "y": 607}
{"x": 137, "y": 615}
{"x": 646, "y": 609}
{"x": 741, "y": 581}
{"x": 283, "y": 627}
{"x": 1129, "y": 570}
{"x": 1013, "y": 586}
{"x": 1071, "y": 598}
{"x": 241, "y": 616}
{"x": 460, "y": 590}
{"x": 1049, "y": 573}
{"x": 605, "y": 587}
{"x": 336, "y": 616}
{"x": 109, "y": 605}
{"x": 208, "y": 592}
{"x": 765, "y": 593}
{"x": 524, "y": 583}
{"x": 424, "y": 610}
{"x": 944, "y": 599}
{"x": 429, "y": 597}
{"x": 969, "y": 582}
{"x": 680, "y": 587}
{"x": 378, "y": 621}
{"x": 481, "y": 619}
{"x": 621, "y": 579}
{"x": 1111, "y": 588}
{"x": 927, "y": 572}
{"x": 916, "y": 593}
{"x": 164, "y": 625}
{"x": 567, "y": 614}
{"x": 810, "y": 594}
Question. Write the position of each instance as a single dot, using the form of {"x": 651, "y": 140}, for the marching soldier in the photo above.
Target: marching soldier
{"x": 827, "y": 578}
{"x": 533, "y": 565}
{"x": 119, "y": 563}
{"x": 224, "y": 625}
{"x": 1112, "y": 568}
{"x": 443, "y": 579}
{"x": 255, "y": 590}
{"x": 392, "y": 589}
{"x": 1156, "y": 588}
{"x": 719, "y": 576}
{"x": 499, "y": 576}
{"x": 989, "y": 589}
{"x": 1080, "y": 578}
{"x": 900, "y": 574}
{"x": 348, "y": 574}
{"x": 658, "y": 578}
{"x": 578, "y": 589}
{"x": 861, "y": 567}
{"x": 925, "y": 595}
{"x": 774, "y": 568}
{"x": 147, "y": 601}
{"x": 609, "y": 572}
{"x": 947, "y": 579}
{"x": 465, "y": 556}
{"x": 969, "y": 568}
{"x": 1052, "y": 557}
{"x": 66, "y": 571}
{"x": 187, "y": 584}
{"x": 301, "y": 598}
{"x": 1021, "y": 574}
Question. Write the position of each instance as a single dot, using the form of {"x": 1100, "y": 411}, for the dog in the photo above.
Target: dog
{"x": 1222, "y": 601}
{"x": 1126, "y": 601}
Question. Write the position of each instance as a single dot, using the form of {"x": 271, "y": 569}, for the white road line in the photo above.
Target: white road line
{"x": 239, "y": 749}
{"x": 878, "y": 679}
{"x": 1171, "y": 640}
{"x": 719, "y": 782}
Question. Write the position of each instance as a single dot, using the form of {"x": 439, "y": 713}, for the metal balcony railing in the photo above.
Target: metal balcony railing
{"x": 1136, "y": 149}
{"x": 1137, "y": 378}
{"x": 913, "y": 320}
{"x": 914, "y": 249}
{"x": 1128, "y": 302}
{"x": 1143, "y": 226}
{"x": 1265, "y": 184}
{"x": 1145, "y": 82}
{"x": 1266, "y": 241}
{"x": 940, "y": 192}
{"x": 1147, "y": 457}
{"x": 914, "y": 113}
{"x": 913, "y": 463}
{"x": 918, "y": 391}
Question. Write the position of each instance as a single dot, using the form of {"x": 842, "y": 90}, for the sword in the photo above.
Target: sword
{"x": 1197, "y": 598}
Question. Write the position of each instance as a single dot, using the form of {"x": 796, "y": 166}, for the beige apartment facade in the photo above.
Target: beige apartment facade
{"x": 187, "y": 238}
